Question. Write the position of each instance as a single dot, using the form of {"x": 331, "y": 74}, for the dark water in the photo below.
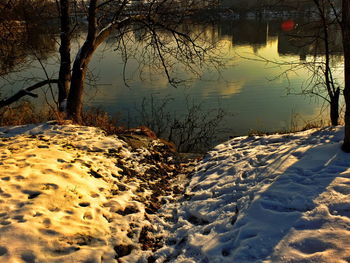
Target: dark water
{"x": 252, "y": 92}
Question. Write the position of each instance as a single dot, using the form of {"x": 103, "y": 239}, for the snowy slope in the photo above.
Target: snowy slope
{"x": 72, "y": 194}
{"x": 279, "y": 198}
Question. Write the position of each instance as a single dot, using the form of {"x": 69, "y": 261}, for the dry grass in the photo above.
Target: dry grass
{"x": 296, "y": 126}
{"x": 24, "y": 113}
{"x": 97, "y": 117}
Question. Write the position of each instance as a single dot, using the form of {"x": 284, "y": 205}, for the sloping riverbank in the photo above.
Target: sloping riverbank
{"x": 72, "y": 194}
{"x": 278, "y": 198}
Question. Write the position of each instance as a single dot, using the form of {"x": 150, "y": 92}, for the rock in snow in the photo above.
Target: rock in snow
{"x": 72, "y": 194}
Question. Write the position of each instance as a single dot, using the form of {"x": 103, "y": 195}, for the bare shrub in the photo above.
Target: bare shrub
{"x": 193, "y": 131}
{"x": 99, "y": 118}
{"x": 23, "y": 113}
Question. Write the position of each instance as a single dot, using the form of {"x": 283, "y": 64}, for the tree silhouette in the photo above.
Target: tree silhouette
{"x": 104, "y": 18}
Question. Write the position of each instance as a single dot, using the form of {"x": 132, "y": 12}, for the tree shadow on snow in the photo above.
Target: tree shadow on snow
{"x": 279, "y": 209}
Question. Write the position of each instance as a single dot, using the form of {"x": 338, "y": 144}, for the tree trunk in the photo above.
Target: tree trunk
{"x": 93, "y": 40}
{"x": 75, "y": 96}
{"x": 346, "y": 46}
{"x": 65, "y": 66}
{"x": 334, "y": 103}
{"x": 332, "y": 91}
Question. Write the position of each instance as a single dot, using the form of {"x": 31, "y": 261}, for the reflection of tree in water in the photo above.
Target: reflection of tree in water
{"x": 307, "y": 39}
{"x": 304, "y": 40}
{"x": 19, "y": 42}
{"x": 31, "y": 11}
{"x": 23, "y": 32}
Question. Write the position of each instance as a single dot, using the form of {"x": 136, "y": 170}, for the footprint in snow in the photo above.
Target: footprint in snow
{"x": 6, "y": 178}
{"x": 225, "y": 252}
{"x": 32, "y": 193}
{"x": 50, "y": 186}
{"x": 309, "y": 225}
{"x": 19, "y": 218}
{"x": 282, "y": 208}
{"x": 197, "y": 220}
{"x": 47, "y": 222}
{"x": 5, "y": 195}
{"x": 341, "y": 209}
{"x": 70, "y": 212}
{"x": 66, "y": 250}
{"x": 28, "y": 257}
{"x": 333, "y": 169}
{"x": 122, "y": 250}
{"x": 247, "y": 234}
{"x": 318, "y": 168}
{"x": 346, "y": 182}
{"x": 23, "y": 165}
{"x": 311, "y": 246}
{"x": 262, "y": 158}
{"x": 49, "y": 232}
{"x": 5, "y": 223}
{"x": 95, "y": 195}
{"x": 84, "y": 204}
{"x": 87, "y": 216}
{"x": 128, "y": 210}
{"x": 298, "y": 154}
{"x": 342, "y": 189}
{"x": 3, "y": 215}
{"x": 3, "y": 250}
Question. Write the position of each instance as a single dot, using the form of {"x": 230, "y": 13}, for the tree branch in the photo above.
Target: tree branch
{"x": 26, "y": 92}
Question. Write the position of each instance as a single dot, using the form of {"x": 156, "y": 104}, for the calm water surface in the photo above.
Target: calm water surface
{"x": 249, "y": 90}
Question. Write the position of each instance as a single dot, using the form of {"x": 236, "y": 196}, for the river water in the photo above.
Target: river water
{"x": 253, "y": 93}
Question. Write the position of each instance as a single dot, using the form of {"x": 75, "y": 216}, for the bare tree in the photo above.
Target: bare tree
{"x": 117, "y": 17}
{"x": 344, "y": 21}
{"x": 323, "y": 73}
{"x": 64, "y": 76}
{"x": 319, "y": 35}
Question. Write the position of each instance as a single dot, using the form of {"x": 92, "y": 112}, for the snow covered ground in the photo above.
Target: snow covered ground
{"x": 279, "y": 198}
{"x": 72, "y": 194}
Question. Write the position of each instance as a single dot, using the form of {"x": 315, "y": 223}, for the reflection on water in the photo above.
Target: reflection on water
{"x": 249, "y": 89}
{"x": 21, "y": 44}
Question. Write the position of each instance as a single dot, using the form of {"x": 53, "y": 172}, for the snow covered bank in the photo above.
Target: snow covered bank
{"x": 72, "y": 194}
{"x": 279, "y": 198}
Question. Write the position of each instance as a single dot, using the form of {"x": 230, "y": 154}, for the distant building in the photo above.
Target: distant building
{"x": 254, "y": 4}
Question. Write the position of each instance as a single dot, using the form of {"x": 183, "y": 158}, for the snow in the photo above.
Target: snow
{"x": 277, "y": 198}
{"x": 66, "y": 196}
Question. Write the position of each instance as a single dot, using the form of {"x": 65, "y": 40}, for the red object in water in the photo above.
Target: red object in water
{"x": 288, "y": 25}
